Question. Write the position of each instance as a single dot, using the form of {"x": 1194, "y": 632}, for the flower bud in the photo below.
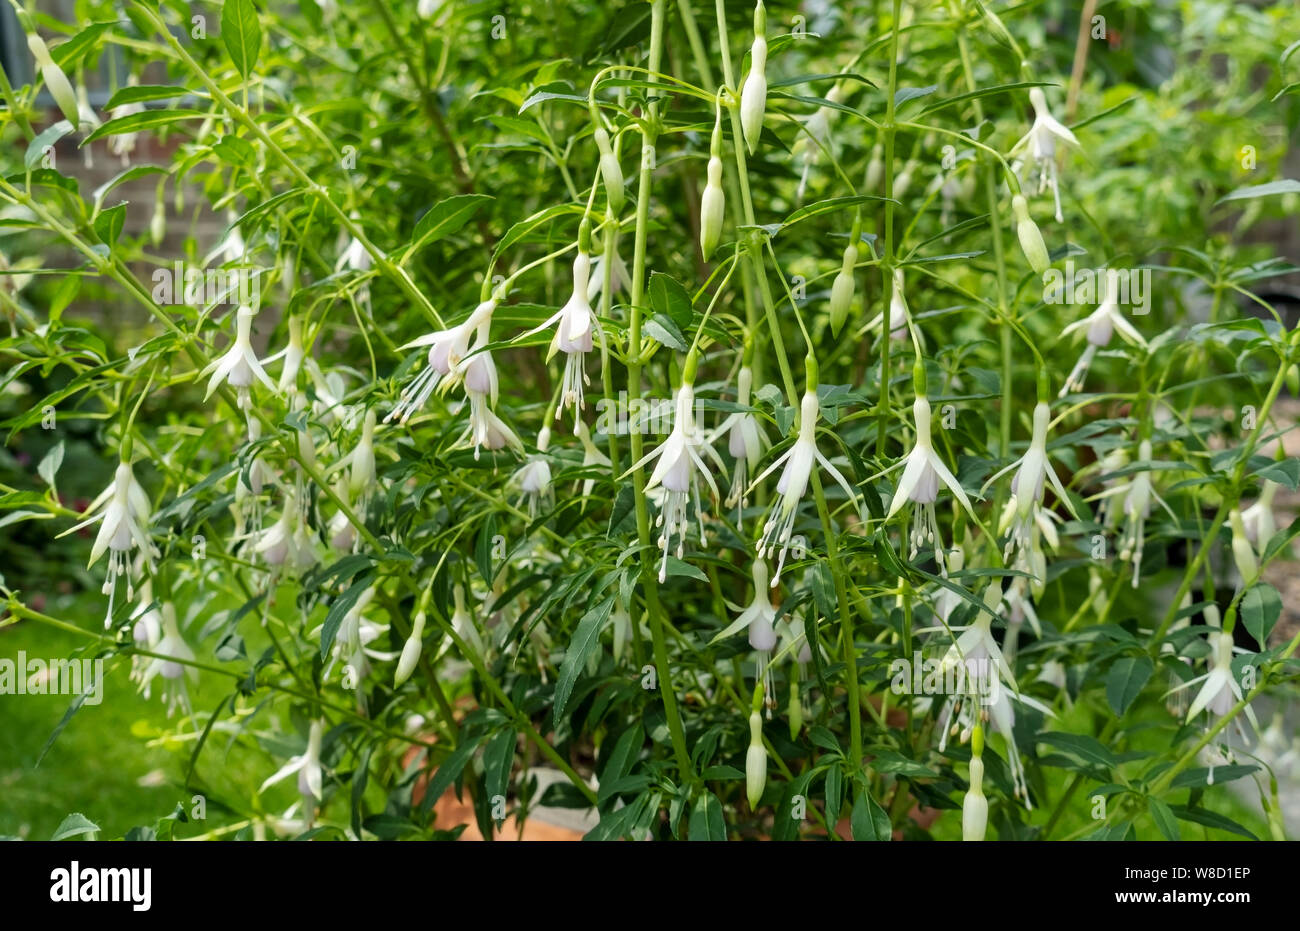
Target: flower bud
{"x": 1243, "y": 554}
{"x": 875, "y": 168}
{"x": 158, "y": 225}
{"x": 842, "y": 289}
{"x": 755, "y": 761}
{"x": 411, "y": 651}
{"x": 795, "y": 712}
{"x": 975, "y": 807}
{"x": 1293, "y": 378}
{"x": 1031, "y": 240}
{"x": 56, "y": 82}
{"x": 712, "y": 206}
{"x": 611, "y": 172}
{"x": 753, "y": 95}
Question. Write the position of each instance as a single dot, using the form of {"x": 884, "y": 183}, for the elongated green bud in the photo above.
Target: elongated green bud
{"x": 1293, "y": 378}
{"x": 753, "y": 95}
{"x": 712, "y": 209}
{"x": 611, "y": 172}
{"x": 56, "y": 82}
{"x": 755, "y": 761}
{"x": 842, "y": 289}
{"x": 975, "y": 807}
{"x": 1031, "y": 239}
{"x": 1243, "y": 554}
{"x": 410, "y": 651}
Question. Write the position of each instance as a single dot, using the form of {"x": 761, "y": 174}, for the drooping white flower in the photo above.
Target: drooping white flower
{"x": 745, "y": 442}
{"x": 307, "y": 766}
{"x": 898, "y": 313}
{"x": 1100, "y": 324}
{"x": 238, "y": 366}
{"x": 1038, "y": 147}
{"x": 1133, "y": 498}
{"x": 122, "y": 512}
{"x": 1024, "y": 514}
{"x": 798, "y": 460}
{"x": 575, "y": 323}
{"x": 354, "y": 256}
{"x": 534, "y": 477}
{"x": 922, "y": 475}
{"x": 620, "y": 279}
{"x": 292, "y": 354}
{"x": 175, "y": 669}
{"x": 447, "y": 351}
{"x": 758, "y": 617}
{"x": 678, "y": 467}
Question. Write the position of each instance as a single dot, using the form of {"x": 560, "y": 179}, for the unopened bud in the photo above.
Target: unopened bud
{"x": 611, "y": 172}
{"x": 411, "y": 651}
{"x": 56, "y": 82}
{"x": 842, "y": 289}
{"x": 712, "y": 206}
{"x": 1031, "y": 239}
{"x": 755, "y": 761}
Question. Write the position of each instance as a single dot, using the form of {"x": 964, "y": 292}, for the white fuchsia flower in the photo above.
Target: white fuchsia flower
{"x": 620, "y": 279}
{"x": 1038, "y": 147}
{"x": 447, "y": 351}
{"x": 678, "y": 467}
{"x": 898, "y": 313}
{"x": 308, "y": 769}
{"x": 238, "y": 366}
{"x": 575, "y": 323}
{"x": 123, "y": 526}
{"x": 534, "y": 477}
{"x": 1024, "y": 513}
{"x": 758, "y": 618}
{"x": 798, "y": 460}
{"x": 922, "y": 475}
{"x": 174, "y": 669}
{"x": 745, "y": 442}
{"x": 292, "y": 354}
{"x": 1101, "y": 325}
{"x": 1133, "y": 498}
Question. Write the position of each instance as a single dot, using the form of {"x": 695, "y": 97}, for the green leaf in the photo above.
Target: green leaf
{"x": 241, "y": 33}
{"x": 1286, "y": 472}
{"x": 448, "y": 772}
{"x": 108, "y": 224}
{"x": 663, "y": 330}
{"x": 43, "y": 143}
{"x": 585, "y": 639}
{"x": 233, "y": 150}
{"x": 445, "y": 218}
{"x": 706, "y": 819}
{"x": 360, "y": 776}
{"x": 1260, "y": 609}
{"x": 1086, "y": 748}
{"x": 1284, "y": 186}
{"x": 1211, "y": 820}
{"x": 50, "y": 462}
{"x": 138, "y": 122}
{"x": 66, "y": 54}
{"x": 1128, "y": 675}
{"x": 75, "y": 825}
{"x": 669, "y": 299}
{"x": 143, "y": 93}
{"x": 1199, "y": 778}
{"x": 339, "y": 609}
{"x": 135, "y": 171}
{"x": 1164, "y": 819}
{"x": 498, "y": 756}
{"x": 483, "y": 549}
{"x": 868, "y": 820}
{"x": 828, "y": 206}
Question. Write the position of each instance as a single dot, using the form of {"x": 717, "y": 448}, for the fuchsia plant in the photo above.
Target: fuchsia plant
{"x": 403, "y": 549}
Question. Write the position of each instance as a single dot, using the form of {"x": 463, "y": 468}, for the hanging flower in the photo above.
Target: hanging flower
{"x": 790, "y": 487}
{"x": 920, "y": 484}
{"x": 123, "y": 526}
{"x": 1100, "y": 324}
{"x": 534, "y": 478}
{"x": 678, "y": 467}
{"x": 591, "y": 457}
{"x": 239, "y": 365}
{"x": 745, "y": 442}
{"x": 308, "y": 769}
{"x": 1133, "y": 500}
{"x": 175, "y": 669}
{"x": 56, "y": 82}
{"x": 447, "y": 351}
{"x": 574, "y": 324}
{"x": 1038, "y": 147}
